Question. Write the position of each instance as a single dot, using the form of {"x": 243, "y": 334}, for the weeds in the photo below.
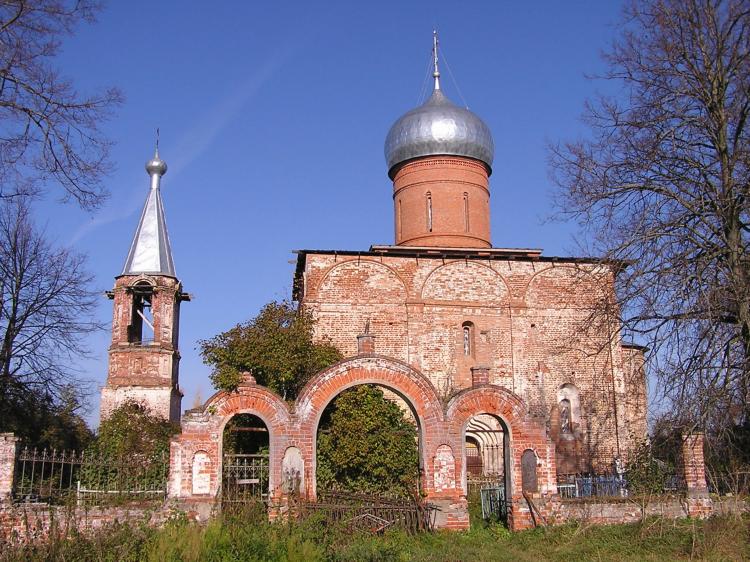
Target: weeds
{"x": 246, "y": 535}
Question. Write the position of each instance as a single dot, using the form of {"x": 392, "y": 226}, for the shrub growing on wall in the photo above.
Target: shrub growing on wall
{"x": 276, "y": 347}
{"x": 133, "y": 431}
{"x": 646, "y": 474}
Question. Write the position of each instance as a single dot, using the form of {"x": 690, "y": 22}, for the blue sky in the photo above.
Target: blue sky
{"x": 273, "y": 117}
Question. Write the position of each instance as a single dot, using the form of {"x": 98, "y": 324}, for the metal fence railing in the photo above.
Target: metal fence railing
{"x": 475, "y": 483}
{"x": 59, "y": 477}
{"x": 494, "y": 503}
{"x": 570, "y": 487}
{"x": 371, "y": 512}
{"x": 607, "y": 486}
{"x": 245, "y": 478}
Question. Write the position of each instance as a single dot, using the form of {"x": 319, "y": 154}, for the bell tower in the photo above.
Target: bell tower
{"x": 144, "y": 354}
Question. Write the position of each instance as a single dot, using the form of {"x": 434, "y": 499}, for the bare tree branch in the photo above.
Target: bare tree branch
{"x": 46, "y": 310}
{"x": 48, "y": 131}
{"x": 663, "y": 183}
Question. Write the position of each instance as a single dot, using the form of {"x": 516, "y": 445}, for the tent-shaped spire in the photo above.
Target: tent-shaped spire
{"x": 150, "y": 251}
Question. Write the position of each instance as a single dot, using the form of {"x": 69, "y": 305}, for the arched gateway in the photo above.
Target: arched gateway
{"x": 196, "y": 454}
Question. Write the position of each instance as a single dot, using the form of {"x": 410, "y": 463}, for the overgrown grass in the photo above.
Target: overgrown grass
{"x": 247, "y": 536}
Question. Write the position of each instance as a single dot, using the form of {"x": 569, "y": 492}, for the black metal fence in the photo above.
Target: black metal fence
{"x": 494, "y": 503}
{"x": 370, "y": 512}
{"x": 62, "y": 477}
{"x": 592, "y": 486}
{"x": 608, "y": 486}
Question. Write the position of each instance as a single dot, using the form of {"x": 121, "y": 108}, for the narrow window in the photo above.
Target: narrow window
{"x": 467, "y": 332}
{"x": 466, "y": 212}
{"x": 565, "y": 416}
{"x": 429, "y": 212}
{"x": 141, "y": 314}
{"x": 398, "y": 220}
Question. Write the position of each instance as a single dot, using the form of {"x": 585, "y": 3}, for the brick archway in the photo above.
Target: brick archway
{"x": 196, "y": 452}
{"x": 524, "y": 433}
{"x": 409, "y": 384}
{"x": 202, "y": 431}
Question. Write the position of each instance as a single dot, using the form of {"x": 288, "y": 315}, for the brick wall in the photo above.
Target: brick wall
{"x": 195, "y": 460}
{"x": 693, "y": 469}
{"x": 29, "y": 523}
{"x": 532, "y": 326}
{"x": 8, "y": 451}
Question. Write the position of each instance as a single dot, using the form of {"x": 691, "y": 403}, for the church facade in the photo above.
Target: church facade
{"x": 510, "y": 362}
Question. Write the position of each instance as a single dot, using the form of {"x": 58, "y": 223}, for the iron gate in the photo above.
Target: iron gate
{"x": 494, "y": 503}
{"x": 372, "y": 512}
{"x": 244, "y": 478}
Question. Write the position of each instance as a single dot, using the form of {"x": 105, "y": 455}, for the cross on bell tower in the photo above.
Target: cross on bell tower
{"x": 144, "y": 354}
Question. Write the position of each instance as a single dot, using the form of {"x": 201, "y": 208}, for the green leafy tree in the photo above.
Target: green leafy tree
{"x": 365, "y": 444}
{"x": 43, "y": 423}
{"x": 130, "y": 453}
{"x": 276, "y": 347}
{"x": 132, "y": 431}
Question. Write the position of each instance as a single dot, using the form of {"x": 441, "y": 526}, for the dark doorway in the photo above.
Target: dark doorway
{"x": 245, "y": 468}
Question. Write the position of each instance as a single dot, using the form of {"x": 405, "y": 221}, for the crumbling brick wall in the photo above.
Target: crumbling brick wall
{"x": 536, "y": 324}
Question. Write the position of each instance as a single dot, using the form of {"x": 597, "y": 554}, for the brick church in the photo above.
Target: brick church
{"x": 510, "y": 362}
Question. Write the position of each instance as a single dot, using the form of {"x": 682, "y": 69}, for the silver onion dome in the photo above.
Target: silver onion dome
{"x": 438, "y": 127}
{"x": 156, "y": 165}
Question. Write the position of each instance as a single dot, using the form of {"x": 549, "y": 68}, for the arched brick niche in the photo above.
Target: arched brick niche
{"x": 201, "y": 441}
{"x": 479, "y": 284}
{"x": 523, "y": 433}
{"x": 357, "y": 292}
{"x": 566, "y": 286}
{"x": 416, "y": 390}
{"x": 361, "y": 281}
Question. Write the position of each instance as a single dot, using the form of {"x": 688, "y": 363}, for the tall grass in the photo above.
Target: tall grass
{"x": 248, "y": 536}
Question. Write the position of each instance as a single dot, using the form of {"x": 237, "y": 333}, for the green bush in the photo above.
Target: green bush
{"x": 276, "y": 347}
{"x": 647, "y": 475}
{"x": 365, "y": 444}
{"x": 132, "y": 430}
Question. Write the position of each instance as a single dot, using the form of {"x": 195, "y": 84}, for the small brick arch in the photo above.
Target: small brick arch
{"x": 408, "y": 383}
{"x": 523, "y": 432}
{"x": 202, "y": 430}
{"x": 497, "y": 293}
{"x": 489, "y": 399}
{"x": 569, "y": 289}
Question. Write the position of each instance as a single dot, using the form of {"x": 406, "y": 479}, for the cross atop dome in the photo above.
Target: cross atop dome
{"x": 436, "y": 70}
